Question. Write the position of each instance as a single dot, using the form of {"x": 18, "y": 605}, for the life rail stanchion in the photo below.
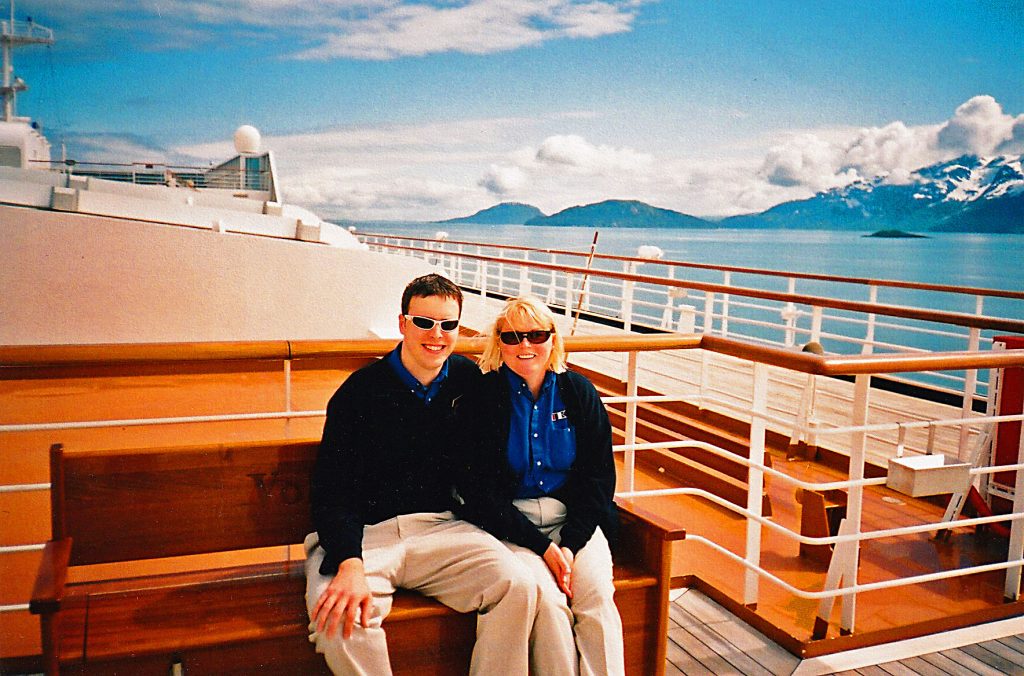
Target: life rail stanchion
{"x": 842, "y": 561}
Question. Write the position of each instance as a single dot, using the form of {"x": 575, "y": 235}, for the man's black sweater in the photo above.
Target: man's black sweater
{"x": 384, "y": 452}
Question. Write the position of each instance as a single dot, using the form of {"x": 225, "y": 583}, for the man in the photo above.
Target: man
{"x": 382, "y": 497}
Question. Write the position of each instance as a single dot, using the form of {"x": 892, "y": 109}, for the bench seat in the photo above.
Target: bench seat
{"x": 251, "y": 619}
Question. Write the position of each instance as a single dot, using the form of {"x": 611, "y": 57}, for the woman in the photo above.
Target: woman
{"x": 541, "y": 477}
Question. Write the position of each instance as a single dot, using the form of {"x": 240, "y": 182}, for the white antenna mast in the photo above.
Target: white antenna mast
{"x": 15, "y": 34}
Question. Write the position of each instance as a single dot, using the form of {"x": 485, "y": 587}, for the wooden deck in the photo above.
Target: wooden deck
{"x": 704, "y": 638}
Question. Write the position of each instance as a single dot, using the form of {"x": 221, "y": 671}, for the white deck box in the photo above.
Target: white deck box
{"x": 922, "y": 475}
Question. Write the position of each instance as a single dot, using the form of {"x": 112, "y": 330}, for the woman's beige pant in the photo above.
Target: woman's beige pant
{"x": 579, "y": 635}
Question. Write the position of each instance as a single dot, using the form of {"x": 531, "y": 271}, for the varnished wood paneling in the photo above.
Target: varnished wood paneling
{"x": 170, "y": 502}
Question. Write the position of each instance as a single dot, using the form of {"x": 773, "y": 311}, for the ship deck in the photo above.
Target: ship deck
{"x": 704, "y": 638}
{"x": 696, "y": 641}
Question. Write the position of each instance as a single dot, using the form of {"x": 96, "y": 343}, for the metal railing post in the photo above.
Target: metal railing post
{"x": 869, "y": 335}
{"x": 501, "y": 273}
{"x": 709, "y": 313}
{"x": 525, "y": 284}
{"x": 478, "y": 275}
{"x": 995, "y": 376}
{"x": 631, "y": 407}
{"x": 1011, "y": 591}
{"x": 970, "y": 389}
{"x": 627, "y": 296}
{"x": 727, "y": 281}
{"x": 789, "y": 315}
{"x": 855, "y": 499}
{"x": 549, "y": 298}
{"x": 755, "y": 482}
{"x": 816, "y": 315}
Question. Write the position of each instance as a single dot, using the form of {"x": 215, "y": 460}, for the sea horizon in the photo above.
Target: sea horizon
{"x": 980, "y": 260}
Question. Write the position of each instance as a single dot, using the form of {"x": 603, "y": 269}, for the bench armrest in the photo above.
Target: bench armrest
{"x": 665, "y": 528}
{"x": 48, "y": 592}
{"x": 645, "y": 538}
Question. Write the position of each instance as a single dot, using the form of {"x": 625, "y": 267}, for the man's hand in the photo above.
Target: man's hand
{"x": 347, "y": 595}
{"x": 559, "y": 561}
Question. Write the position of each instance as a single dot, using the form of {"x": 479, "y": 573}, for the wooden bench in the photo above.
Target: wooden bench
{"x": 124, "y": 507}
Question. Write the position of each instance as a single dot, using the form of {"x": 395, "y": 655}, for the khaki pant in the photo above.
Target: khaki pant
{"x": 582, "y": 635}
{"x": 450, "y": 560}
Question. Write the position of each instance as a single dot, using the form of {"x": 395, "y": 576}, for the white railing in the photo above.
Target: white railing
{"x": 662, "y": 301}
{"x": 156, "y": 173}
{"x": 26, "y": 31}
{"x": 845, "y": 561}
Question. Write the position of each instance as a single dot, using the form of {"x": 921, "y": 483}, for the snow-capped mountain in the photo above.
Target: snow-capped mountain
{"x": 967, "y": 194}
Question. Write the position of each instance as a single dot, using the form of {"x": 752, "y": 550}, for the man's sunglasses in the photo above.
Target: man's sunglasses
{"x": 516, "y": 337}
{"x": 427, "y": 324}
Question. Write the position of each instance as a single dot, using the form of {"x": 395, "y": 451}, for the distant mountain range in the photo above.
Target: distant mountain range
{"x": 968, "y": 194}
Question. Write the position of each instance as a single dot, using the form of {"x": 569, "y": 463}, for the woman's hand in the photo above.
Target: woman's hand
{"x": 559, "y": 562}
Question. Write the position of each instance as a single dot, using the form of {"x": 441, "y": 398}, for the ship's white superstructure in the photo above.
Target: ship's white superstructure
{"x": 146, "y": 252}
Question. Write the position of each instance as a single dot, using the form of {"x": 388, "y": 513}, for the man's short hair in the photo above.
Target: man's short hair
{"x": 431, "y": 285}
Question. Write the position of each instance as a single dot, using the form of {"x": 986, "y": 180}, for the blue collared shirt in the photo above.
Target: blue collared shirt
{"x": 541, "y": 441}
{"x": 426, "y": 393}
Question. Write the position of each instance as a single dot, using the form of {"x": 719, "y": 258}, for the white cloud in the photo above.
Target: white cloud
{"x": 452, "y": 168}
{"x": 575, "y": 153}
{"x": 593, "y": 19}
{"x": 471, "y": 26}
{"x": 503, "y": 180}
{"x": 979, "y": 126}
{"x": 804, "y": 160}
{"x": 114, "y": 148}
{"x": 892, "y": 148}
{"x": 359, "y": 29}
{"x": 1015, "y": 144}
{"x": 397, "y": 172}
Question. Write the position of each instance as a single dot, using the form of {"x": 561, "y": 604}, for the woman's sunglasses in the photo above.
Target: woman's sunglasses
{"x": 516, "y": 337}
{"x": 427, "y": 324}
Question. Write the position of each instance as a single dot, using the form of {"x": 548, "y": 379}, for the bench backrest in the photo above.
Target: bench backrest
{"x": 129, "y": 505}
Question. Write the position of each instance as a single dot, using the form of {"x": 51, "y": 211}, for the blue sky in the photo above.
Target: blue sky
{"x": 389, "y": 109}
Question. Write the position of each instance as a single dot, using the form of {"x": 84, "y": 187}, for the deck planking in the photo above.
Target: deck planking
{"x": 705, "y": 638}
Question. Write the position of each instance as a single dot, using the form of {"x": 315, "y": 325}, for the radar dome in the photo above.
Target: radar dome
{"x": 247, "y": 139}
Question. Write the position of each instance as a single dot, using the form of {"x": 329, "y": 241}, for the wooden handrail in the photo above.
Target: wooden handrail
{"x": 832, "y": 365}
{"x": 12, "y": 356}
{"x": 106, "y": 353}
{"x": 932, "y": 361}
{"x": 906, "y": 312}
{"x": 866, "y": 281}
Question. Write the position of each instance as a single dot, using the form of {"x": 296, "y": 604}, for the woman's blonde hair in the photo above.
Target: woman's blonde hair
{"x": 523, "y": 308}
